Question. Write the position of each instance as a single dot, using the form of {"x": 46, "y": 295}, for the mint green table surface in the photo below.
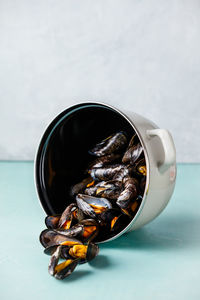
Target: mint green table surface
{"x": 159, "y": 261}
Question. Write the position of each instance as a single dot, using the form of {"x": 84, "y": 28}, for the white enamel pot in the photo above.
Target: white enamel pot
{"x": 62, "y": 155}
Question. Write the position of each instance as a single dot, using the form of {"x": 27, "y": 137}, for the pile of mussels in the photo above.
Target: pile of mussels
{"x": 106, "y": 202}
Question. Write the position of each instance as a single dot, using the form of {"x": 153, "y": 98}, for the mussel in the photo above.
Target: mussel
{"x": 141, "y": 167}
{"x": 90, "y": 191}
{"x": 50, "y": 237}
{"x": 111, "y": 144}
{"x": 103, "y": 161}
{"x": 105, "y": 189}
{"x": 65, "y": 268}
{"x": 90, "y": 229}
{"x": 114, "y": 220}
{"x": 85, "y": 207}
{"x": 84, "y": 252}
{"x": 92, "y": 205}
{"x": 54, "y": 260}
{"x": 109, "y": 190}
{"x": 133, "y": 207}
{"x": 52, "y": 221}
{"x": 66, "y": 217}
{"x": 106, "y": 173}
{"x": 129, "y": 192}
{"x": 74, "y": 231}
{"x": 133, "y": 153}
{"x": 123, "y": 172}
{"x": 77, "y": 188}
{"x": 85, "y": 230}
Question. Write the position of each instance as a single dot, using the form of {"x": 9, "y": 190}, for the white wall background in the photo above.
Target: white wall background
{"x": 139, "y": 55}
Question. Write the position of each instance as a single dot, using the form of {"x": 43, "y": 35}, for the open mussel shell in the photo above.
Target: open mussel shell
{"x": 90, "y": 251}
{"x": 106, "y": 189}
{"x": 52, "y": 221}
{"x": 85, "y": 207}
{"x": 74, "y": 231}
{"x": 50, "y": 237}
{"x": 91, "y": 205}
{"x": 90, "y": 229}
{"x": 109, "y": 190}
{"x": 50, "y": 250}
{"x": 107, "y": 216}
{"x": 54, "y": 260}
{"x": 133, "y": 207}
{"x": 95, "y": 201}
{"x": 118, "y": 223}
{"x": 78, "y": 215}
{"x": 63, "y": 251}
{"x": 140, "y": 167}
{"x": 90, "y": 191}
{"x": 111, "y": 144}
{"x": 67, "y": 214}
{"x": 77, "y": 188}
{"x": 65, "y": 268}
{"x": 114, "y": 220}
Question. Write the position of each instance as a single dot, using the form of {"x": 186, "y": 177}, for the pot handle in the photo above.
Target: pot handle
{"x": 168, "y": 147}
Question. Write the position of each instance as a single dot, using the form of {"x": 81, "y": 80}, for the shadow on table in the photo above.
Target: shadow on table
{"x": 101, "y": 262}
{"x": 76, "y": 275}
{"x": 177, "y": 232}
{"x": 174, "y": 232}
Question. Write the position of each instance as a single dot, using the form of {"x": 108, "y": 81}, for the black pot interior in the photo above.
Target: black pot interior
{"x": 63, "y": 155}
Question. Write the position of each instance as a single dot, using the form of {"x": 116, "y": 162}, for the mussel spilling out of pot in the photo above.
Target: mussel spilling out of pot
{"x": 105, "y": 202}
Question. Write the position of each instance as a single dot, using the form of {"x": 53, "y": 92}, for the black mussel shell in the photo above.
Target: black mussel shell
{"x": 133, "y": 207}
{"x": 103, "y": 161}
{"x": 49, "y": 238}
{"x": 107, "y": 172}
{"x": 50, "y": 250}
{"x": 52, "y": 221}
{"x": 92, "y": 251}
{"x": 91, "y": 191}
{"x": 89, "y": 223}
{"x": 64, "y": 251}
{"x": 109, "y": 191}
{"x": 90, "y": 204}
{"x": 65, "y": 272}
{"x": 141, "y": 167}
{"x": 129, "y": 192}
{"x": 54, "y": 260}
{"x": 121, "y": 222}
{"x": 77, "y": 188}
{"x": 85, "y": 207}
{"x": 74, "y": 231}
{"x": 132, "y": 154}
{"x": 103, "y": 202}
{"x": 67, "y": 214}
{"x": 108, "y": 215}
{"x": 111, "y": 144}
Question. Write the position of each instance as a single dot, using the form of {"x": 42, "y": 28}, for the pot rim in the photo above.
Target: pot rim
{"x": 144, "y": 198}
